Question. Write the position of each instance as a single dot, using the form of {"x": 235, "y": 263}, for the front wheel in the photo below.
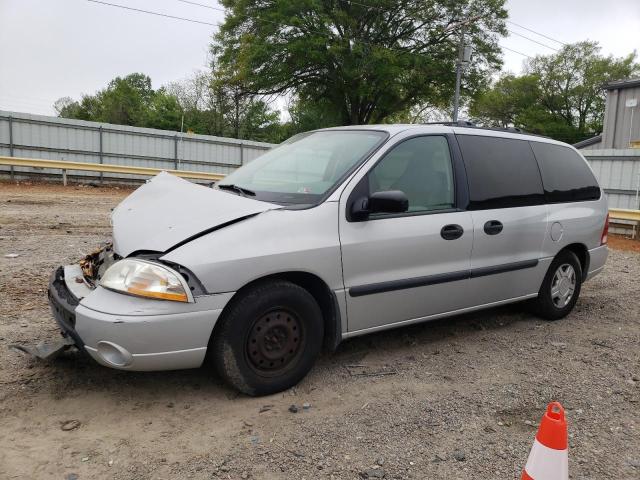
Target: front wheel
{"x": 560, "y": 288}
{"x": 268, "y": 338}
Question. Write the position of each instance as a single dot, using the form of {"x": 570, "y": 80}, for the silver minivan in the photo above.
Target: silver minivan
{"x": 333, "y": 234}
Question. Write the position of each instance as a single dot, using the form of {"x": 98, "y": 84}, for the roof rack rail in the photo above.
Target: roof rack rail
{"x": 459, "y": 123}
{"x": 468, "y": 124}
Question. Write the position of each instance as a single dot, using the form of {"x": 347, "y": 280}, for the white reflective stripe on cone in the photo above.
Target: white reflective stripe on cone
{"x": 545, "y": 463}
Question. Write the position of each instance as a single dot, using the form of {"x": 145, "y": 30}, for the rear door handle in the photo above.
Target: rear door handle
{"x": 451, "y": 232}
{"x": 493, "y": 227}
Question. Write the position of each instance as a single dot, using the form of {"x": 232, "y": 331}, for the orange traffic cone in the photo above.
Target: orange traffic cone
{"x": 549, "y": 458}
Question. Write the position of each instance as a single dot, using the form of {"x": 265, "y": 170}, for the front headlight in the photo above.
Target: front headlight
{"x": 146, "y": 279}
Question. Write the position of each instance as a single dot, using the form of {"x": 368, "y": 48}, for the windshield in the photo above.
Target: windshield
{"x": 305, "y": 167}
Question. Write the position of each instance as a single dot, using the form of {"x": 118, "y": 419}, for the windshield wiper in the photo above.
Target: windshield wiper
{"x": 235, "y": 188}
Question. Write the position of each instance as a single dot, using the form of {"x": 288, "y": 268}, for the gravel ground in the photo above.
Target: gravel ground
{"x": 453, "y": 399}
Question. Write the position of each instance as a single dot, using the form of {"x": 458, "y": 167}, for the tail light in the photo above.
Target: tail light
{"x": 605, "y": 231}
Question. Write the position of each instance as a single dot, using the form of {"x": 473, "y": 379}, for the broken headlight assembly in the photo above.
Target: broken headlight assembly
{"x": 146, "y": 279}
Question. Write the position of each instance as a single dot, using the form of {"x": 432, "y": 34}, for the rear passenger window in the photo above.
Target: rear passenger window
{"x": 421, "y": 168}
{"x": 565, "y": 174}
{"x": 502, "y": 172}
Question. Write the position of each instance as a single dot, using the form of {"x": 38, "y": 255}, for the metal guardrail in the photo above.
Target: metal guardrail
{"x": 624, "y": 214}
{"x": 63, "y": 165}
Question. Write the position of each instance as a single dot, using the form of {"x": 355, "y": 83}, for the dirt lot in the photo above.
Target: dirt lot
{"x": 461, "y": 399}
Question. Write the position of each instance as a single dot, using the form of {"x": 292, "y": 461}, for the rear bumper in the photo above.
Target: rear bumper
{"x": 597, "y": 259}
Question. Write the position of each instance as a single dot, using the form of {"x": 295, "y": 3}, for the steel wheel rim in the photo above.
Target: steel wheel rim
{"x": 274, "y": 342}
{"x": 563, "y": 285}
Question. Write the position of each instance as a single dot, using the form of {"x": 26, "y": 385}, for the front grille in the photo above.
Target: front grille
{"x": 62, "y": 302}
{"x": 63, "y": 315}
{"x": 62, "y": 290}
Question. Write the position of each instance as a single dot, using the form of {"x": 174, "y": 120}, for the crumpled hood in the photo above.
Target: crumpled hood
{"x": 168, "y": 210}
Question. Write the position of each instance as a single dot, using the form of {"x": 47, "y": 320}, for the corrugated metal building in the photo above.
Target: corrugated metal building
{"x": 621, "y": 127}
{"x": 615, "y": 154}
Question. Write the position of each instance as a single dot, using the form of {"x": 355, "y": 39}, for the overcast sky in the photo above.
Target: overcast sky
{"x": 55, "y": 48}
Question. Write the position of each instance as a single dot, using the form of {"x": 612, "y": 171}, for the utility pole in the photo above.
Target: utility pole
{"x": 464, "y": 57}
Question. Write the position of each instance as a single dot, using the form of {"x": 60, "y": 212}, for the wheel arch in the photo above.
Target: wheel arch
{"x": 580, "y": 250}
{"x": 318, "y": 288}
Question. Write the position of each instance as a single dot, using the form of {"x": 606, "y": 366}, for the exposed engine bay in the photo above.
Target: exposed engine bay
{"x": 96, "y": 263}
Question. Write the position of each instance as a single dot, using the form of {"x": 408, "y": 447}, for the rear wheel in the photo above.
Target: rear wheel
{"x": 560, "y": 288}
{"x": 268, "y": 338}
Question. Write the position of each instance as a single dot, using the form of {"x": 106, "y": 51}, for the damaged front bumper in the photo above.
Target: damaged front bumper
{"x": 68, "y": 285}
{"x": 128, "y": 332}
{"x": 64, "y": 301}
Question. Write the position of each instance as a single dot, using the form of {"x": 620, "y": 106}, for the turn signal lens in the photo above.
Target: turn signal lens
{"x": 605, "y": 232}
{"x": 146, "y": 279}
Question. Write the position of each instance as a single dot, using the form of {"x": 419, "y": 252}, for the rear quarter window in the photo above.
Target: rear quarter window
{"x": 565, "y": 174}
{"x": 502, "y": 172}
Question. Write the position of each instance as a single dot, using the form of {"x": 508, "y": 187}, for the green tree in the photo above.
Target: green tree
{"x": 85, "y": 109}
{"x": 218, "y": 106}
{"x": 163, "y": 112}
{"x": 204, "y": 103}
{"x": 571, "y": 82}
{"x": 309, "y": 115}
{"x": 559, "y": 95}
{"x": 510, "y": 98}
{"x": 364, "y": 62}
{"x": 243, "y": 115}
{"x": 127, "y": 100}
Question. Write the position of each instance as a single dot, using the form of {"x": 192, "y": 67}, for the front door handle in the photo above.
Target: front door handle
{"x": 451, "y": 232}
{"x": 493, "y": 227}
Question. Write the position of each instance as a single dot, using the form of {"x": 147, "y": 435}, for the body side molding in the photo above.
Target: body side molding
{"x": 393, "y": 285}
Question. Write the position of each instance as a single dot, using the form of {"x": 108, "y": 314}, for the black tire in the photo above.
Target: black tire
{"x": 545, "y": 306}
{"x": 268, "y": 338}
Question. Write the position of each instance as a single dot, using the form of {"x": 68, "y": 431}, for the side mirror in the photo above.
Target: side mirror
{"x": 391, "y": 201}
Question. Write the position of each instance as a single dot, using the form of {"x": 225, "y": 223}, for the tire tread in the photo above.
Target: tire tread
{"x": 221, "y": 350}
{"x": 543, "y": 306}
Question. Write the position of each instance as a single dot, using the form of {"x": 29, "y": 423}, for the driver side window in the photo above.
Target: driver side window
{"x": 421, "y": 168}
